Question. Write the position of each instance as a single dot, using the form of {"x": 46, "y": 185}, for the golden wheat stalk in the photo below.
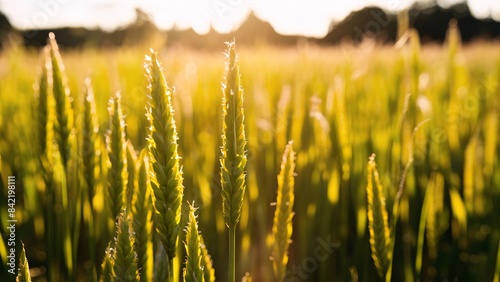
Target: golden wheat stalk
{"x": 194, "y": 269}
{"x": 142, "y": 213}
{"x": 233, "y": 156}
{"x": 125, "y": 258}
{"x": 117, "y": 155}
{"x": 166, "y": 173}
{"x": 282, "y": 225}
{"x": 378, "y": 225}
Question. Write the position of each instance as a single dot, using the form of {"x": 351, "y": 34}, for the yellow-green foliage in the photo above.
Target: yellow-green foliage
{"x": 338, "y": 104}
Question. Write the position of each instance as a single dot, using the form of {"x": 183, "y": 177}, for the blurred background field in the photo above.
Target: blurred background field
{"x": 434, "y": 108}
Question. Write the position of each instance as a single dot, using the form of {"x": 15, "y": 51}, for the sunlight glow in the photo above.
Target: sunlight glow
{"x": 310, "y": 18}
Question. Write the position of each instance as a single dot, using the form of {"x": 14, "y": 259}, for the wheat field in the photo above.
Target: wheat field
{"x": 349, "y": 163}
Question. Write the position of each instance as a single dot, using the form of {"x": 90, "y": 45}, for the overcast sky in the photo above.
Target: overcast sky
{"x": 311, "y": 18}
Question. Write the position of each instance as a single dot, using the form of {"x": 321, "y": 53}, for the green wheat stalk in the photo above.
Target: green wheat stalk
{"x": 378, "y": 225}
{"x": 23, "y": 273}
{"x": 45, "y": 116}
{"x": 194, "y": 268}
{"x": 125, "y": 258}
{"x": 142, "y": 213}
{"x": 90, "y": 131}
{"x": 233, "y": 156}
{"x": 62, "y": 98}
{"x": 63, "y": 128}
{"x": 117, "y": 152}
{"x": 206, "y": 262}
{"x": 89, "y": 151}
{"x": 282, "y": 225}
{"x": 166, "y": 173}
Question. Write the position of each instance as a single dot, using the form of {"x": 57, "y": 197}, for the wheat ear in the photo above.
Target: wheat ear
{"x": 166, "y": 173}
{"x": 89, "y": 152}
{"x": 378, "y": 225}
{"x": 282, "y": 225}
{"x": 117, "y": 152}
{"x": 63, "y": 110}
{"x": 90, "y": 130}
{"x": 125, "y": 258}
{"x": 206, "y": 262}
{"x": 107, "y": 264}
{"x": 233, "y": 156}
{"x": 194, "y": 269}
{"x": 23, "y": 274}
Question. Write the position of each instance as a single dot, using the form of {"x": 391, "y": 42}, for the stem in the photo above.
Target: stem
{"x": 232, "y": 244}
{"x": 170, "y": 269}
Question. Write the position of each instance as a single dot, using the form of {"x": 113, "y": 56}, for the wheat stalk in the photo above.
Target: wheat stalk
{"x": 378, "y": 225}
{"x": 233, "y": 156}
{"x": 282, "y": 225}
{"x": 90, "y": 131}
{"x": 63, "y": 110}
{"x": 89, "y": 152}
{"x": 116, "y": 146}
{"x": 142, "y": 213}
{"x": 125, "y": 258}
{"x": 194, "y": 269}
{"x": 23, "y": 273}
{"x": 166, "y": 173}
{"x": 64, "y": 128}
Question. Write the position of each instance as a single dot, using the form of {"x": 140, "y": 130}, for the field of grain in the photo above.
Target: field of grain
{"x": 393, "y": 172}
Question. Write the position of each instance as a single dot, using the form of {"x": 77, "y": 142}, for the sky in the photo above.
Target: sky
{"x": 293, "y": 17}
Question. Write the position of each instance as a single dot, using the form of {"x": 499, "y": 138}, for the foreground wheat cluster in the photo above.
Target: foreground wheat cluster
{"x": 393, "y": 172}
